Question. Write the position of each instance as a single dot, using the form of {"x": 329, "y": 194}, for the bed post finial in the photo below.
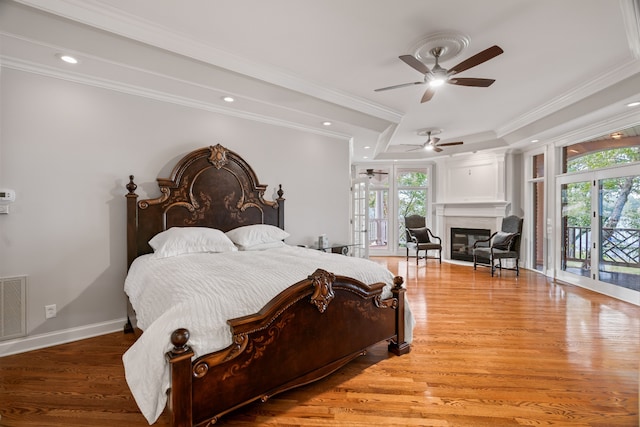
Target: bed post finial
{"x": 131, "y": 186}
{"x": 132, "y": 221}
{"x": 280, "y": 192}
{"x": 180, "y": 398}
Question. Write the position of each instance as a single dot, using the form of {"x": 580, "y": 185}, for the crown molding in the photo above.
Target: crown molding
{"x": 43, "y": 70}
{"x": 114, "y": 21}
{"x": 566, "y": 99}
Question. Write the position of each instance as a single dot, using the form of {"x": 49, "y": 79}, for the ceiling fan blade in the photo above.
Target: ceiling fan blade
{"x": 477, "y": 59}
{"x": 471, "y": 82}
{"x": 397, "y": 86}
{"x": 437, "y": 149}
{"x": 446, "y": 144}
{"x": 428, "y": 95}
{"x": 416, "y": 149}
{"x": 414, "y": 63}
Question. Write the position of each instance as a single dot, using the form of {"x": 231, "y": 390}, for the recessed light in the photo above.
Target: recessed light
{"x": 366, "y": 147}
{"x": 365, "y": 157}
{"x": 535, "y": 140}
{"x": 633, "y": 104}
{"x": 67, "y": 58}
{"x": 227, "y": 99}
{"x": 327, "y": 123}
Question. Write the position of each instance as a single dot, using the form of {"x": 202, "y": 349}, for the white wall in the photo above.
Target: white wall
{"x": 67, "y": 150}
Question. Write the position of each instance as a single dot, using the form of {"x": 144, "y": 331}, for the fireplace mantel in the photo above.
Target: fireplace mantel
{"x": 468, "y": 214}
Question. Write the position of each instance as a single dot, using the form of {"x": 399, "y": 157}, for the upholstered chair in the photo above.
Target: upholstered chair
{"x": 503, "y": 244}
{"x": 420, "y": 238}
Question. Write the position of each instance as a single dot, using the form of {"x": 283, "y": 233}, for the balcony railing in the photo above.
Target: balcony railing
{"x": 620, "y": 246}
{"x": 378, "y": 235}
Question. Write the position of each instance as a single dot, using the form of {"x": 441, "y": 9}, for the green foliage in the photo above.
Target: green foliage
{"x": 619, "y": 197}
{"x": 603, "y": 159}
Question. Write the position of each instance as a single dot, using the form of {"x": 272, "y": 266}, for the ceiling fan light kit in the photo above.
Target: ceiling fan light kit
{"x": 438, "y": 75}
{"x": 432, "y": 142}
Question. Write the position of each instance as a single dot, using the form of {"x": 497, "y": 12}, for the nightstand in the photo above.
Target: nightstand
{"x": 335, "y": 248}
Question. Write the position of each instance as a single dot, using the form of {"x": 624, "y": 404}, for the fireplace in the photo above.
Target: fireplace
{"x": 462, "y": 240}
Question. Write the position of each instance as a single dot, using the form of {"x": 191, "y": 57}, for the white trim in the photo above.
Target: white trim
{"x": 36, "y": 342}
{"x": 113, "y": 20}
{"x": 568, "y": 98}
{"x": 20, "y": 65}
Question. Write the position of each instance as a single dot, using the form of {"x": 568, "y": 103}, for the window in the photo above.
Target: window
{"x": 412, "y": 187}
{"x": 537, "y": 184}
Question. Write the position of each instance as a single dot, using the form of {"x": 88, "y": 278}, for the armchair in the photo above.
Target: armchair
{"x": 503, "y": 244}
{"x": 420, "y": 238}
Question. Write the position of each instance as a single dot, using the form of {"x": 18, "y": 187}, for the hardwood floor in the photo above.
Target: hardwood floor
{"x": 500, "y": 351}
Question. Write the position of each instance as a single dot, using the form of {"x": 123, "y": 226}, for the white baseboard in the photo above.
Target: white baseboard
{"x": 35, "y": 342}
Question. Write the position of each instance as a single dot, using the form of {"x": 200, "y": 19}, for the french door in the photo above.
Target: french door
{"x": 360, "y": 218}
{"x": 600, "y": 236}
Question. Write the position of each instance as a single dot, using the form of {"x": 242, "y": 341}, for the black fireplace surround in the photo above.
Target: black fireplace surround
{"x": 462, "y": 240}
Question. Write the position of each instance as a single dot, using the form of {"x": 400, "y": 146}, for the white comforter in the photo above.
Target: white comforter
{"x": 197, "y": 291}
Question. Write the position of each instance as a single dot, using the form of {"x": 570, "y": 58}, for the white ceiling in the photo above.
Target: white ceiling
{"x": 566, "y": 64}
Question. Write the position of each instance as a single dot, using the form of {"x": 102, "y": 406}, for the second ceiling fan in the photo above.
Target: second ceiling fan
{"x": 438, "y": 75}
{"x": 432, "y": 144}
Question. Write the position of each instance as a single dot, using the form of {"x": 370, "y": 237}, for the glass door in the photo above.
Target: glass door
{"x": 576, "y": 227}
{"x": 619, "y": 231}
{"x": 360, "y": 218}
{"x": 600, "y": 230}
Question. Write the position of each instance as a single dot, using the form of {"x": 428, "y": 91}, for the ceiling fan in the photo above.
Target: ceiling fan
{"x": 371, "y": 173}
{"x": 438, "y": 75}
{"x": 432, "y": 144}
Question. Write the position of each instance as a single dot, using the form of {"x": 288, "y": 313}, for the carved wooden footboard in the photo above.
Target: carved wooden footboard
{"x": 305, "y": 333}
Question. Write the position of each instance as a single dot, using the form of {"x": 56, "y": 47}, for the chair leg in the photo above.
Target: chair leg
{"x": 440, "y": 256}
{"x": 493, "y": 266}
{"x": 517, "y": 268}
{"x": 475, "y": 261}
{"x": 407, "y": 254}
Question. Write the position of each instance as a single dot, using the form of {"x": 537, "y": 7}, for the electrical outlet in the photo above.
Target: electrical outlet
{"x": 50, "y": 311}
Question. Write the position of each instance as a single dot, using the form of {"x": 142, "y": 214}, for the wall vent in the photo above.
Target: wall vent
{"x": 13, "y": 297}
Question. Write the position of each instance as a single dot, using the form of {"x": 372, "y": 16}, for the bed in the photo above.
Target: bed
{"x": 225, "y": 326}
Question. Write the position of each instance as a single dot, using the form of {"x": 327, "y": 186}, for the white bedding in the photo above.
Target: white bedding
{"x": 194, "y": 291}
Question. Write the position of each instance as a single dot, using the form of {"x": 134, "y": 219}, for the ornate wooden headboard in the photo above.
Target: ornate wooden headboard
{"x": 210, "y": 187}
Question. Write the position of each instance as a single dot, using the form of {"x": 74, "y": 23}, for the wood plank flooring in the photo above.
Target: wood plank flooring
{"x": 500, "y": 351}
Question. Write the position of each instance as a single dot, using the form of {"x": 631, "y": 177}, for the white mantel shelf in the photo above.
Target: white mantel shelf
{"x": 471, "y": 203}
{"x": 484, "y": 208}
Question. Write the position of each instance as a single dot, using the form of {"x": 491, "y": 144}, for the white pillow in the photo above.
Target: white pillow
{"x": 186, "y": 240}
{"x": 262, "y": 246}
{"x": 256, "y": 234}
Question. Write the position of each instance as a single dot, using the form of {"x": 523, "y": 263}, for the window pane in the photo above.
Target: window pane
{"x": 412, "y": 178}
{"x": 619, "y": 200}
{"x": 618, "y": 148}
{"x": 410, "y": 202}
{"x": 576, "y": 228}
{"x": 539, "y": 224}
{"x": 538, "y": 166}
{"x": 378, "y": 217}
